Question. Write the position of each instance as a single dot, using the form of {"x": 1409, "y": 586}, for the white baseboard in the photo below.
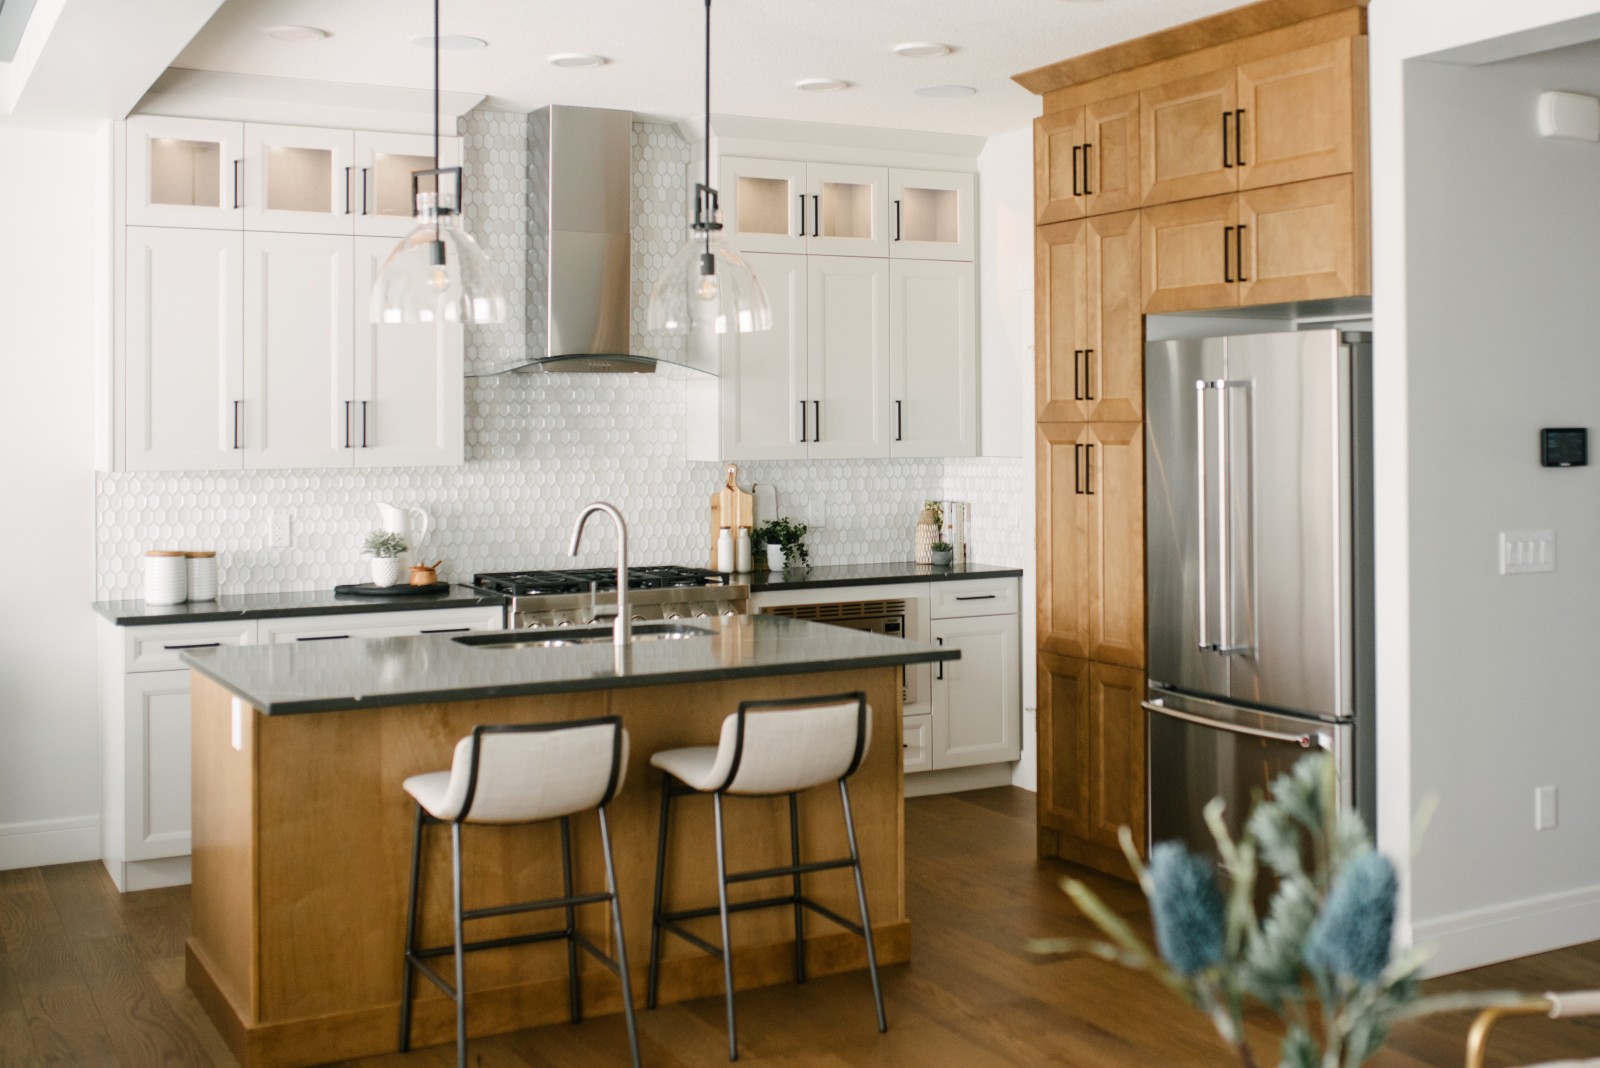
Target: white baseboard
{"x": 955, "y": 780}
{"x": 44, "y": 842}
{"x": 1477, "y": 937}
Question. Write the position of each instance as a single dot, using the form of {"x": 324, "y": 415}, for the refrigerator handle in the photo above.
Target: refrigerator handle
{"x": 1316, "y": 740}
{"x": 1200, "y": 388}
{"x": 1225, "y": 644}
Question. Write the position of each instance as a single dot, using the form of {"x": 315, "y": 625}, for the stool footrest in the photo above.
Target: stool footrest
{"x": 535, "y": 906}
{"x": 790, "y": 869}
{"x": 423, "y": 952}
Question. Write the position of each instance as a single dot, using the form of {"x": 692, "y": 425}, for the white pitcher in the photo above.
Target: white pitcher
{"x": 412, "y": 523}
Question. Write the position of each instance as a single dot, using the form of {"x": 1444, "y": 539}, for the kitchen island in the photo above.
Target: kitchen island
{"x": 302, "y": 831}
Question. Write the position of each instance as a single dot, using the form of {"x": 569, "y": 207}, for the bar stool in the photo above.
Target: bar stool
{"x": 767, "y": 749}
{"x": 520, "y": 773}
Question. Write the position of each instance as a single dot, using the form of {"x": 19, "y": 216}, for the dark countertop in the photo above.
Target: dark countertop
{"x": 869, "y": 575}
{"x": 272, "y": 605}
{"x": 380, "y": 672}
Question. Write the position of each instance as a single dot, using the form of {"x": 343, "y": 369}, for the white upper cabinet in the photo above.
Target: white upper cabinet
{"x": 932, "y": 215}
{"x": 383, "y": 203}
{"x": 299, "y": 332}
{"x": 849, "y": 209}
{"x": 763, "y": 204}
{"x": 408, "y": 393}
{"x": 185, "y": 172}
{"x": 183, "y": 378}
{"x": 847, "y": 338}
{"x": 299, "y": 179}
{"x": 933, "y": 360}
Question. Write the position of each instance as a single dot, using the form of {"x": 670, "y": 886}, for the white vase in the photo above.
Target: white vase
{"x": 387, "y": 570}
{"x": 774, "y": 556}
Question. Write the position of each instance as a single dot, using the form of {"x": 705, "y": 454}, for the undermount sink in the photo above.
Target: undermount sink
{"x": 544, "y": 639}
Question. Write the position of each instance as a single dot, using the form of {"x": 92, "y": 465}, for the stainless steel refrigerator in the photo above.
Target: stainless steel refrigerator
{"x": 1259, "y": 571}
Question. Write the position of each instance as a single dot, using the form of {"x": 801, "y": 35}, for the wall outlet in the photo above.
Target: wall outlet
{"x": 1544, "y": 808}
{"x": 280, "y": 530}
{"x": 1525, "y": 551}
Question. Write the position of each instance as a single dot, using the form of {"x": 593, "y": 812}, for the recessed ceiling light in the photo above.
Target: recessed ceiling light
{"x": 922, "y": 50}
{"x": 577, "y": 59}
{"x": 945, "y": 90}
{"x": 451, "y": 42}
{"x": 821, "y": 85}
{"x": 295, "y": 33}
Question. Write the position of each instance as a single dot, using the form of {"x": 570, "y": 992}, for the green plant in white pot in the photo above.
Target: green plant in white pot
{"x": 786, "y": 536}
{"x": 386, "y": 549}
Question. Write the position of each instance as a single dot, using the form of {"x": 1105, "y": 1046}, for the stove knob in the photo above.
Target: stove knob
{"x": 675, "y": 615}
{"x": 702, "y": 615}
{"x": 565, "y": 623}
{"x": 636, "y": 619}
{"x": 729, "y": 614}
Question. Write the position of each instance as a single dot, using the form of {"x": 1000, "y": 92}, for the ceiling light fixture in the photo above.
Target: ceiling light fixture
{"x": 577, "y": 59}
{"x": 437, "y": 273}
{"x": 453, "y": 42}
{"x": 708, "y": 287}
{"x": 821, "y": 85}
{"x": 945, "y": 90}
{"x": 295, "y": 33}
{"x": 922, "y": 50}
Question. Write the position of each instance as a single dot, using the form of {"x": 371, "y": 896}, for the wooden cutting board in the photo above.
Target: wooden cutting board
{"x": 731, "y": 507}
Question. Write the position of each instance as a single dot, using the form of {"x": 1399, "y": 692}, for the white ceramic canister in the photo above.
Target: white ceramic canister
{"x": 742, "y": 561}
{"x": 166, "y": 577}
{"x": 725, "y": 559}
{"x": 202, "y": 576}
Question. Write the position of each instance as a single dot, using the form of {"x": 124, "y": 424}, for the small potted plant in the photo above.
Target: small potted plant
{"x": 943, "y": 553}
{"x": 385, "y": 547}
{"x": 785, "y": 542}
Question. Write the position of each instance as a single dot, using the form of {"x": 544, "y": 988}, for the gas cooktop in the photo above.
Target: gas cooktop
{"x": 602, "y": 579}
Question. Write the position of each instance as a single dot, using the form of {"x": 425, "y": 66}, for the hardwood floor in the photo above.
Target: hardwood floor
{"x": 93, "y": 979}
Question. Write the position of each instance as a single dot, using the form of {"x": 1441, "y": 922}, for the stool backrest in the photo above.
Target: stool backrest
{"x": 516, "y": 773}
{"x": 779, "y": 747}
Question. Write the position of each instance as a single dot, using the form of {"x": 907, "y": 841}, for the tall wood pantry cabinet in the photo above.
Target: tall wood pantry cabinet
{"x": 1167, "y": 178}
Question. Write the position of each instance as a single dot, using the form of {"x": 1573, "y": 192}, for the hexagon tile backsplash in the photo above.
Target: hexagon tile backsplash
{"x": 539, "y": 447}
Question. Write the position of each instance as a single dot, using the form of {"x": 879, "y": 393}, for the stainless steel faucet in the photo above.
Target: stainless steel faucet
{"x": 622, "y": 628}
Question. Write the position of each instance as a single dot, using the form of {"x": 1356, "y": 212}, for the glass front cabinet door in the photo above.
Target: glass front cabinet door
{"x": 932, "y": 215}
{"x": 383, "y": 201}
{"x": 764, "y": 205}
{"x": 185, "y": 172}
{"x": 299, "y": 179}
{"x": 849, "y": 208}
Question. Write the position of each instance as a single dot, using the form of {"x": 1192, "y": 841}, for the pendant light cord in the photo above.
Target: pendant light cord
{"x": 438, "y": 184}
{"x": 708, "y": 117}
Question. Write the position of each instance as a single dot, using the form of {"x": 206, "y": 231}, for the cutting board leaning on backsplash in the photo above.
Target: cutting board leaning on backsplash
{"x": 731, "y": 507}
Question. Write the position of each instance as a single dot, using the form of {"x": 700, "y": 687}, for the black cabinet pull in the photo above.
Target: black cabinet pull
{"x": 1225, "y": 160}
{"x": 1077, "y": 470}
{"x": 1088, "y": 470}
{"x": 802, "y": 422}
{"x": 1077, "y": 169}
{"x": 1238, "y": 137}
{"x": 364, "y": 193}
{"x": 899, "y": 422}
{"x": 816, "y": 215}
{"x": 816, "y": 420}
{"x": 1077, "y": 376}
{"x": 236, "y": 423}
{"x": 1086, "y": 190}
{"x": 1088, "y": 374}
{"x": 897, "y": 220}
{"x": 977, "y": 597}
{"x": 193, "y": 645}
{"x": 363, "y": 424}
{"x": 1227, "y": 252}
{"x": 1238, "y": 247}
{"x": 347, "y": 423}
{"x": 446, "y": 630}
{"x": 347, "y": 190}
{"x": 322, "y": 638}
{"x": 940, "y": 676}
{"x": 238, "y": 183}
{"x": 802, "y": 232}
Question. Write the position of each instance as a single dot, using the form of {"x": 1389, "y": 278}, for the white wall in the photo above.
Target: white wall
{"x": 49, "y": 788}
{"x": 1484, "y": 274}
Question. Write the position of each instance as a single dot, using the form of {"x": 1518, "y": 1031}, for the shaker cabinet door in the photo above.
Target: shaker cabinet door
{"x": 763, "y": 380}
{"x": 1191, "y": 255}
{"x": 933, "y": 362}
{"x": 847, "y": 335}
{"x": 1304, "y": 241}
{"x": 1187, "y": 137}
{"x": 1058, "y": 167}
{"x": 1111, "y": 134}
{"x": 185, "y": 172}
{"x": 299, "y": 179}
{"x": 1298, "y": 115}
{"x": 977, "y": 703}
{"x": 1061, "y": 320}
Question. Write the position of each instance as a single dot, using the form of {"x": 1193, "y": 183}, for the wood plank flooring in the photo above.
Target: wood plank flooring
{"x": 93, "y": 979}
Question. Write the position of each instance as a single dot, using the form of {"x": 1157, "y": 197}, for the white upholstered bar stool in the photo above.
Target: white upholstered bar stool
{"x": 767, "y": 749}
{"x": 520, "y": 773}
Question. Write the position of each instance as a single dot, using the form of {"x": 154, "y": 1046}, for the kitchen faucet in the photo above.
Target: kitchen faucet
{"x": 622, "y": 628}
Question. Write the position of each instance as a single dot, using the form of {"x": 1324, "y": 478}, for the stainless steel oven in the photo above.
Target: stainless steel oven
{"x": 889, "y": 618}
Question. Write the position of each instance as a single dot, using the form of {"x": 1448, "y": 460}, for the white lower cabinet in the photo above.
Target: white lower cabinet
{"x": 916, "y": 746}
{"x": 144, "y": 723}
{"x": 977, "y": 700}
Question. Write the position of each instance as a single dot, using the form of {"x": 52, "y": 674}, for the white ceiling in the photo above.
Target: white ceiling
{"x": 761, "y": 48}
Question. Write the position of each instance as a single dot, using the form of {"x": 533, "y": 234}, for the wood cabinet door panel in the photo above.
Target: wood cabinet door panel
{"x": 1298, "y": 119}
{"x": 1114, "y": 360}
{"x": 1300, "y": 242}
{"x": 1063, "y": 744}
{"x": 1058, "y": 167}
{"x": 1115, "y": 754}
{"x": 1190, "y": 251}
{"x": 1184, "y": 155}
{"x": 1061, "y": 320}
{"x": 1111, "y": 143}
{"x": 1114, "y": 486}
{"x": 1064, "y": 545}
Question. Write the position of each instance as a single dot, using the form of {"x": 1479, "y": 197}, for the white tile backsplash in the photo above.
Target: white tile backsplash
{"x": 538, "y": 447}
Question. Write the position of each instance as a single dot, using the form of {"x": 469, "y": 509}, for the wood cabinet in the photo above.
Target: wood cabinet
{"x": 1190, "y": 249}
{"x": 1188, "y": 137}
{"x": 1092, "y": 760}
{"x": 1058, "y": 167}
{"x": 1089, "y": 363}
{"x": 1086, "y": 160}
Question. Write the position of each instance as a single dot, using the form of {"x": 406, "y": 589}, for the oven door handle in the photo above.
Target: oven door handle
{"x": 1307, "y": 740}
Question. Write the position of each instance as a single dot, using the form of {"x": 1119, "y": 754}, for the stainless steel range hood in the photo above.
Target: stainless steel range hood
{"x": 580, "y": 286}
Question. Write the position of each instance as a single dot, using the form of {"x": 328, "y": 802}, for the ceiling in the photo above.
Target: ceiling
{"x": 762, "y": 47}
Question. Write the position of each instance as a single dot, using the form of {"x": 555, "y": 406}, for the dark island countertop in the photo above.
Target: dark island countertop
{"x": 431, "y": 669}
{"x": 869, "y": 575}
{"x": 135, "y": 613}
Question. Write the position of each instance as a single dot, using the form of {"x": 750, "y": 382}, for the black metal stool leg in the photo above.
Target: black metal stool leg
{"x": 622, "y": 942}
{"x": 727, "y": 942}
{"x": 411, "y": 934}
{"x": 461, "y": 957}
{"x": 576, "y": 1006}
{"x": 799, "y": 909}
{"x": 861, "y": 898}
{"x": 655, "y": 911}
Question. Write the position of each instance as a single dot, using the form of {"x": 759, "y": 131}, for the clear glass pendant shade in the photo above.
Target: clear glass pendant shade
{"x": 419, "y": 285}
{"x": 708, "y": 289}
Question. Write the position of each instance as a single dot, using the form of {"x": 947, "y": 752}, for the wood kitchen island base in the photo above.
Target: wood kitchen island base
{"x": 302, "y": 840}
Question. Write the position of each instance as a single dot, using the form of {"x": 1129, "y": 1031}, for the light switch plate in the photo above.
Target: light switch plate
{"x": 280, "y": 530}
{"x": 1526, "y": 551}
{"x": 1544, "y": 808}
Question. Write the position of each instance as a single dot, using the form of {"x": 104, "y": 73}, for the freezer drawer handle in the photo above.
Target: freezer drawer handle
{"x": 1225, "y": 531}
{"x": 1200, "y": 388}
{"x": 1304, "y": 741}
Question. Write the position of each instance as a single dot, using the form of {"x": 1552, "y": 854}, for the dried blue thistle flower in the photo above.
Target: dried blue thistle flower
{"x": 1353, "y": 935}
{"x": 1186, "y": 905}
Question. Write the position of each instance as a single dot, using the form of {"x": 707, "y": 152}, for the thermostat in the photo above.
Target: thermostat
{"x": 1564, "y": 447}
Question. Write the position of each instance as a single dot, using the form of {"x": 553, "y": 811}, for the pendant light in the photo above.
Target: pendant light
{"x": 707, "y": 287}
{"x": 437, "y": 273}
